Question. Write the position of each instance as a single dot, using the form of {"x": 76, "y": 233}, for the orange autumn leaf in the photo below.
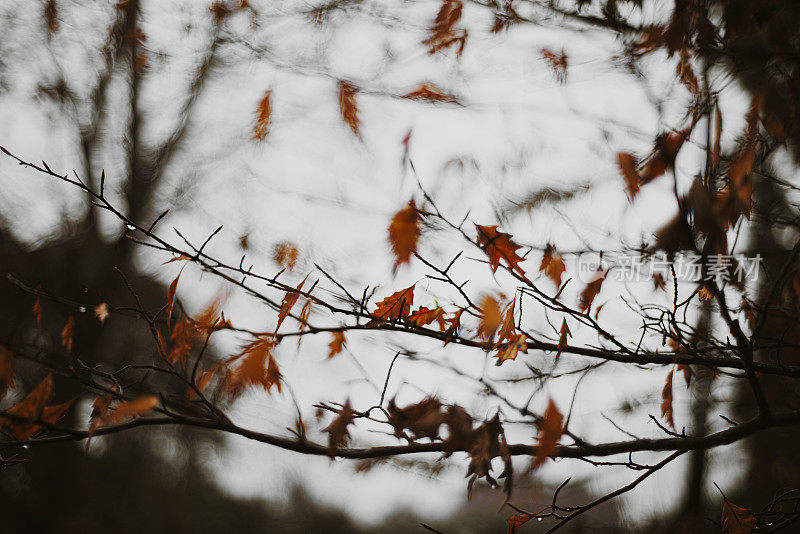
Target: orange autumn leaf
{"x": 443, "y": 33}
{"x": 562, "y": 339}
{"x": 627, "y": 165}
{"x": 394, "y": 307}
{"x": 51, "y": 414}
{"x": 450, "y": 326}
{"x": 337, "y": 344}
{"x": 717, "y": 147}
{"x": 509, "y": 349}
{"x": 552, "y": 265}
{"x": 125, "y": 411}
{"x": 508, "y": 326}
{"x": 101, "y": 312}
{"x": 285, "y": 254}
{"x": 425, "y": 316}
{"x": 263, "y": 117}
{"x": 173, "y": 287}
{"x": 256, "y": 367}
{"x": 28, "y": 411}
{"x": 687, "y": 372}
{"x": 498, "y": 245}
{"x": 6, "y": 371}
{"x": 181, "y": 338}
{"x": 557, "y": 63}
{"x": 551, "y": 427}
{"x": 667, "y": 147}
{"x": 428, "y": 92}
{"x": 666, "y": 402}
{"x": 51, "y": 16}
{"x": 37, "y": 311}
{"x": 288, "y": 302}
{"x": 338, "y": 435}
{"x": 591, "y": 290}
{"x": 66, "y": 334}
{"x": 347, "y": 105}
{"x": 737, "y": 520}
{"x": 404, "y": 232}
{"x": 516, "y": 521}
{"x": 704, "y": 294}
{"x": 490, "y": 319}
{"x": 685, "y": 71}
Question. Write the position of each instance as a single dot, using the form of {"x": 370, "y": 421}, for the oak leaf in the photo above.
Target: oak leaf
{"x": 422, "y": 419}
{"x": 490, "y": 319}
{"x": 125, "y": 411}
{"x": 288, "y": 303}
{"x": 562, "y": 339}
{"x": 736, "y": 520}
{"x": 263, "y": 117}
{"x": 101, "y": 312}
{"x": 451, "y": 325}
{"x": 424, "y": 316}
{"x": 285, "y": 254}
{"x": 516, "y": 521}
{"x": 509, "y": 349}
{"x": 666, "y": 402}
{"x": 394, "y": 307}
{"x": 591, "y": 290}
{"x": 404, "y": 232}
{"x": 66, "y": 334}
{"x": 627, "y": 165}
{"x": 6, "y": 371}
{"x": 337, "y": 344}
{"x": 428, "y": 92}
{"x": 173, "y": 287}
{"x": 498, "y": 245}
{"x": 256, "y": 367}
{"x": 551, "y": 427}
{"x": 552, "y": 265}
{"x": 338, "y": 435}
{"x": 347, "y": 105}
{"x": 28, "y": 412}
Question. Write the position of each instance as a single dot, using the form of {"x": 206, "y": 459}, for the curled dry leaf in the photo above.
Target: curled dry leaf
{"x": 666, "y": 402}
{"x": 551, "y": 427}
{"x": 37, "y": 311}
{"x": 173, "y": 287}
{"x": 28, "y": 411}
{"x": 498, "y": 245}
{"x": 285, "y": 254}
{"x": 125, "y": 411}
{"x": 424, "y": 316}
{"x": 557, "y": 63}
{"x": 422, "y": 419}
{"x": 451, "y": 325}
{"x": 516, "y": 521}
{"x": 443, "y": 33}
{"x": 427, "y": 92}
{"x": 562, "y": 339}
{"x": 289, "y": 300}
{"x": 704, "y": 294}
{"x": 404, "y": 232}
{"x": 508, "y": 350}
{"x": 627, "y": 165}
{"x": 256, "y": 367}
{"x": 67, "y": 333}
{"x": 737, "y": 520}
{"x": 263, "y": 117}
{"x": 552, "y": 265}
{"x": 591, "y": 290}
{"x": 51, "y": 16}
{"x": 6, "y": 371}
{"x": 394, "y": 307}
{"x": 490, "y": 319}
{"x": 338, "y": 435}
{"x": 101, "y": 312}
{"x": 337, "y": 344}
{"x": 347, "y": 105}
